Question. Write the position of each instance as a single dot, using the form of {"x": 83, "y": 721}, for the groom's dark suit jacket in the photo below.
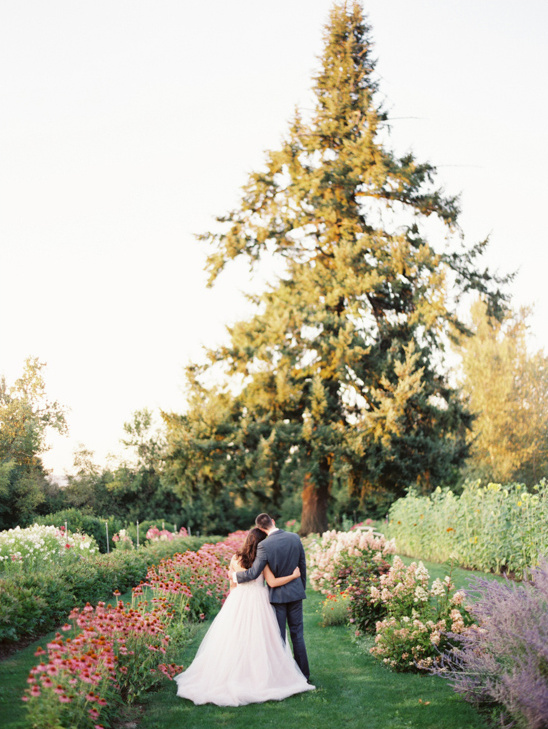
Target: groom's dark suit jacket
{"x": 283, "y": 551}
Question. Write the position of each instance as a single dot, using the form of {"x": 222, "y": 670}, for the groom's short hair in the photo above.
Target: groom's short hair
{"x": 263, "y": 521}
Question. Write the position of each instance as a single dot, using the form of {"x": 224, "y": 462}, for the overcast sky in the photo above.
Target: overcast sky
{"x": 125, "y": 127}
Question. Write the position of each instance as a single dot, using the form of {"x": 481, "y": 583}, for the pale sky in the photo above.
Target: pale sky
{"x": 126, "y": 127}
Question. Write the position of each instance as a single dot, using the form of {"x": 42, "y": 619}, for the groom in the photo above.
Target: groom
{"x": 283, "y": 551}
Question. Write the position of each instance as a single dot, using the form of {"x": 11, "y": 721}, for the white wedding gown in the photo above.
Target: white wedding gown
{"x": 242, "y": 658}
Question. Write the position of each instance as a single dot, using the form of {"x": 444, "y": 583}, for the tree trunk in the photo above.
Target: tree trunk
{"x": 315, "y": 497}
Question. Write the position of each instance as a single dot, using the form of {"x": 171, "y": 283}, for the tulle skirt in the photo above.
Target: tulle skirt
{"x": 242, "y": 658}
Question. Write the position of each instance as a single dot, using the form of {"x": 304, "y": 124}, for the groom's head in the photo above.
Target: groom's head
{"x": 264, "y": 522}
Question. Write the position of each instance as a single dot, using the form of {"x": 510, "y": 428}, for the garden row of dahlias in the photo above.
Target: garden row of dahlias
{"x": 110, "y": 655}
{"x": 45, "y": 571}
{"x": 489, "y": 640}
{"x": 492, "y": 528}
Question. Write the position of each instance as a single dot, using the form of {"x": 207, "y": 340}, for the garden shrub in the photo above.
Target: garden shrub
{"x": 333, "y": 558}
{"x": 32, "y": 603}
{"x": 414, "y": 633}
{"x": 503, "y": 660}
{"x": 78, "y": 521}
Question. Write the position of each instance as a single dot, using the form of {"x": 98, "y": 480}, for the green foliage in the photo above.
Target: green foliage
{"x": 26, "y": 416}
{"x": 78, "y": 521}
{"x": 334, "y": 609}
{"x": 492, "y": 528}
{"x": 335, "y": 378}
{"x": 32, "y": 603}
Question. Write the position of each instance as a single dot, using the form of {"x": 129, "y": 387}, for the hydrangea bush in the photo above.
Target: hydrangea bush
{"x": 419, "y": 617}
{"x": 333, "y": 557}
{"x": 38, "y": 545}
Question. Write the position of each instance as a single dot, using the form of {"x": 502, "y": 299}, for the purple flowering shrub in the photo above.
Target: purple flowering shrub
{"x": 502, "y": 661}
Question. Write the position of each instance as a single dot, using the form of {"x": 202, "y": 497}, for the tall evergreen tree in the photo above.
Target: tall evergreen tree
{"x": 335, "y": 377}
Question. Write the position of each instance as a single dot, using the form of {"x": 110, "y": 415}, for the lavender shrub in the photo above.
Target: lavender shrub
{"x": 502, "y": 661}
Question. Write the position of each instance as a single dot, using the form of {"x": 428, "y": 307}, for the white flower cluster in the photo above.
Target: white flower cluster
{"x": 41, "y": 544}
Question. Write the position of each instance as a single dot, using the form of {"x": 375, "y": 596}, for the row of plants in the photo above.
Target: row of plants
{"x": 491, "y": 528}
{"x": 75, "y": 520}
{"x": 110, "y": 655}
{"x": 33, "y": 602}
{"x": 37, "y": 546}
{"x": 488, "y": 640}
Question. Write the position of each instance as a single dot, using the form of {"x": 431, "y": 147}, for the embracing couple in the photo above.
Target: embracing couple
{"x": 244, "y": 657}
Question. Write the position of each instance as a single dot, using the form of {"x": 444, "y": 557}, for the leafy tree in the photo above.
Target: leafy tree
{"x": 147, "y": 443}
{"x": 336, "y": 380}
{"x": 506, "y": 388}
{"x": 26, "y": 416}
{"x": 133, "y": 489}
{"x": 87, "y": 485}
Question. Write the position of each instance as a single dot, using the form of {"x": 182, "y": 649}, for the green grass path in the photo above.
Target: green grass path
{"x": 354, "y": 690}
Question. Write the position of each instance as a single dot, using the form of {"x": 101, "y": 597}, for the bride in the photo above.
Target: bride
{"x": 242, "y": 658}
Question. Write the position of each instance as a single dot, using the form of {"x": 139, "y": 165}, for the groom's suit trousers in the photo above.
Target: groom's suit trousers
{"x": 292, "y": 612}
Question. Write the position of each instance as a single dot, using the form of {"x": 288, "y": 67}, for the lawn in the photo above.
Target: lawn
{"x": 352, "y": 689}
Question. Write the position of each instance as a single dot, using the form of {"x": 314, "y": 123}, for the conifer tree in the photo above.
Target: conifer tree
{"x": 338, "y": 371}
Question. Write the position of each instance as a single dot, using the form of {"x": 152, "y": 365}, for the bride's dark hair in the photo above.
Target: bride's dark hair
{"x": 246, "y": 555}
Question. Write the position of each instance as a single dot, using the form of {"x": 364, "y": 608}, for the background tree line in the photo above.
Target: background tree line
{"x": 339, "y": 392}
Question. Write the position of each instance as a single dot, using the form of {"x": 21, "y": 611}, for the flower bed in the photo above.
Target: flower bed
{"x": 35, "y": 602}
{"x": 409, "y": 617}
{"x": 112, "y": 655}
{"x": 154, "y": 534}
{"x": 38, "y": 546}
